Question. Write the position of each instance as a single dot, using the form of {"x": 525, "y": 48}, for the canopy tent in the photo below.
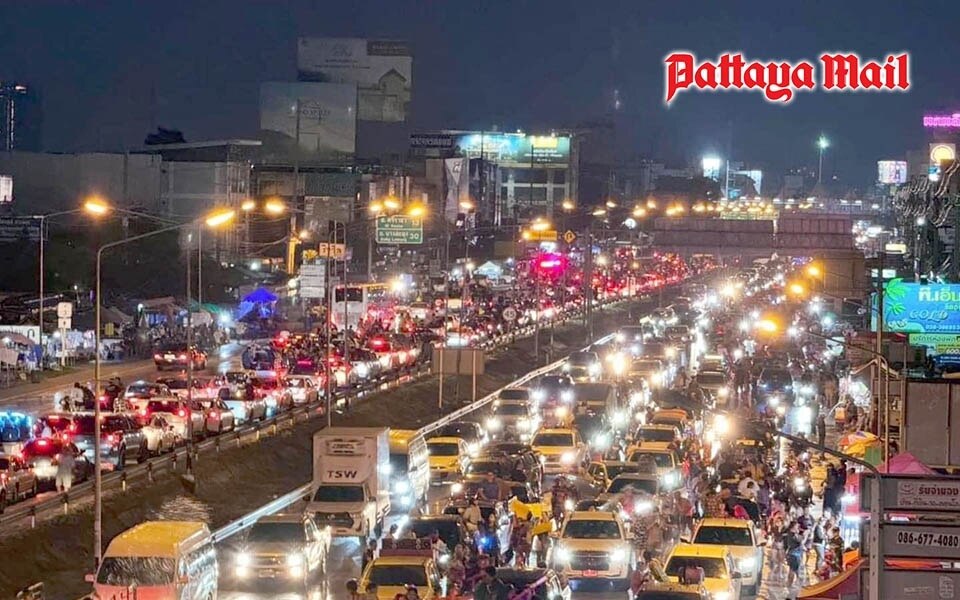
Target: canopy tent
{"x": 901, "y": 464}
{"x": 260, "y": 296}
{"x": 112, "y": 314}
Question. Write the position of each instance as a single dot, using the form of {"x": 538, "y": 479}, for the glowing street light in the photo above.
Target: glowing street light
{"x": 275, "y": 206}
{"x": 248, "y": 205}
{"x": 814, "y": 271}
{"x": 467, "y": 205}
{"x": 391, "y": 203}
{"x": 219, "y": 218}
{"x": 416, "y": 210}
{"x": 568, "y": 205}
{"x": 822, "y": 144}
{"x": 540, "y": 225}
{"x": 767, "y": 326}
{"x": 375, "y": 208}
{"x": 96, "y": 206}
{"x": 611, "y": 204}
{"x": 797, "y": 289}
{"x": 599, "y": 212}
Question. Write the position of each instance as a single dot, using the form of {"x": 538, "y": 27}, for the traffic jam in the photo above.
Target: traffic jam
{"x": 52, "y": 450}
{"x": 649, "y": 464}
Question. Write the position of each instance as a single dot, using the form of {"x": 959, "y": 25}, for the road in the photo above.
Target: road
{"x": 37, "y": 398}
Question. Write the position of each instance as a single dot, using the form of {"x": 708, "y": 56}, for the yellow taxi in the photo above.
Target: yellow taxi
{"x": 720, "y": 574}
{"x": 402, "y": 563}
{"x": 740, "y": 537}
{"x": 665, "y": 460}
{"x": 561, "y": 448}
{"x": 448, "y": 456}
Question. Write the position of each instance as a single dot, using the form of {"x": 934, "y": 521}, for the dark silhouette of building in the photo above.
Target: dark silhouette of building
{"x": 21, "y": 118}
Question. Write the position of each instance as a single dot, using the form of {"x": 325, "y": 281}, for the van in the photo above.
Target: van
{"x": 165, "y": 560}
{"x": 409, "y": 469}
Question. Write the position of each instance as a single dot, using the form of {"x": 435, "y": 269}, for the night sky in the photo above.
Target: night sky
{"x": 110, "y": 71}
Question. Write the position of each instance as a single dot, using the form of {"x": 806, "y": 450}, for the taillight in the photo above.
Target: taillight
{"x": 143, "y": 412}
{"x": 157, "y": 357}
{"x": 183, "y": 357}
{"x": 182, "y": 412}
{"x": 214, "y": 414}
{"x": 111, "y": 439}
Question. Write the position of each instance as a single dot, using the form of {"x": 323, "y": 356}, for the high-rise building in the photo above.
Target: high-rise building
{"x": 21, "y": 119}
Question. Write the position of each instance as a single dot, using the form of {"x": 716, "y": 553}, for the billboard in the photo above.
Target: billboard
{"x": 892, "y": 171}
{"x": 381, "y": 71}
{"x": 919, "y": 308}
{"x": 326, "y": 113}
{"x": 516, "y": 149}
{"x": 6, "y": 189}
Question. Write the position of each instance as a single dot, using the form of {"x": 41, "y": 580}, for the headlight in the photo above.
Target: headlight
{"x": 567, "y": 458}
{"x": 363, "y": 370}
{"x": 804, "y": 414}
{"x": 748, "y": 564}
{"x": 473, "y": 447}
{"x": 568, "y": 504}
{"x": 723, "y": 392}
{"x": 560, "y": 412}
{"x": 456, "y": 488}
{"x": 642, "y": 507}
{"x": 781, "y": 410}
{"x": 594, "y": 368}
{"x": 656, "y": 378}
{"x": 493, "y": 423}
{"x": 799, "y": 484}
{"x": 601, "y": 441}
{"x": 618, "y": 556}
{"x": 563, "y": 554}
{"x": 402, "y": 486}
{"x": 670, "y": 352}
{"x": 538, "y": 395}
{"x": 295, "y": 559}
{"x": 721, "y": 425}
{"x": 566, "y": 367}
{"x": 244, "y": 560}
{"x": 671, "y": 479}
{"x": 621, "y": 337}
{"x": 566, "y": 395}
{"x": 774, "y": 400}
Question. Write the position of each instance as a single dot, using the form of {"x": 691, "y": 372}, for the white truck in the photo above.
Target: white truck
{"x": 351, "y": 472}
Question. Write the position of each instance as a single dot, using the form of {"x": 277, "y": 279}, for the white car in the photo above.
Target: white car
{"x": 178, "y": 415}
{"x": 302, "y": 388}
{"x": 594, "y": 544}
{"x": 217, "y": 416}
{"x": 160, "y": 435}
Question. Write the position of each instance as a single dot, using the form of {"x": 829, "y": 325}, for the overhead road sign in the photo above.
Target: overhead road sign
{"x": 399, "y": 229}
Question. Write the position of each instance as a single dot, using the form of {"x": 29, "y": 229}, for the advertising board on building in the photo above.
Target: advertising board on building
{"x": 327, "y": 115}
{"x": 892, "y": 172}
{"x": 516, "y": 149}
{"x": 6, "y": 189}
{"x": 920, "y": 308}
{"x": 380, "y": 70}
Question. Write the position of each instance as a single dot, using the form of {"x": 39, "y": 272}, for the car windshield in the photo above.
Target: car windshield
{"x": 582, "y": 359}
{"x": 712, "y": 567}
{"x": 143, "y": 388}
{"x": 448, "y": 530}
{"x": 620, "y": 484}
{"x": 168, "y": 406}
{"x": 465, "y": 431}
{"x": 444, "y": 449}
{"x": 514, "y": 395}
{"x": 236, "y": 377}
{"x": 553, "y": 439}
{"x": 554, "y": 383}
{"x": 724, "y": 536}
{"x": 496, "y": 468}
{"x": 85, "y": 424}
{"x": 711, "y": 379}
{"x": 775, "y": 379}
{"x": 615, "y": 470}
{"x": 399, "y": 464}
{"x": 511, "y": 410}
{"x": 267, "y": 533}
{"x": 662, "y": 459}
{"x": 295, "y": 382}
{"x": 592, "y": 529}
{"x": 398, "y": 575}
{"x": 655, "y": 435}
{"x": 339, "y": 493}
{"x": 134, "y": 571}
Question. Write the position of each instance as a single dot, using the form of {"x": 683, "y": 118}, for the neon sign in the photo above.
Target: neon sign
{"x": 942, "y": 121}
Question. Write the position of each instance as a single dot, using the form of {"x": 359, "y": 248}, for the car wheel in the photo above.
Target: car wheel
{"x": 144, "y": 453}
{"x": 16, "y": 494}
{"x": 3, "y": 501}
{"x": 36, "y": 488}
{"x": 121, "y": 461}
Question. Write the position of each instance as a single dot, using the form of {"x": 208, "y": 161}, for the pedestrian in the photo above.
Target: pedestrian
{"x": 491, "y": 587}
{"x": 369, "y": 554}
{"x": 793, "y": 546}
{"x": 353, "y": 590}
{"x": 835, "y": 543}
{"x": 822, "y": 430}
{"x": 819, "y": 540}
{"x": 67, "y": 461}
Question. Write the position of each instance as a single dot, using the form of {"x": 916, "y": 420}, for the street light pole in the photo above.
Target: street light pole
{"x": 822, "y": 144}
{"x": 917, "y": 263}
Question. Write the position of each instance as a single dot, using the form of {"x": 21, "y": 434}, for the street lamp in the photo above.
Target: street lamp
{"x": 212, "y": 220}
{"x": 920, "y": 222}
{"x": 822, "y": 144}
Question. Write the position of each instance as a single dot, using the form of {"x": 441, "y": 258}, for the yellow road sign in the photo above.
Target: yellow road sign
{"x": 569, "y": 236}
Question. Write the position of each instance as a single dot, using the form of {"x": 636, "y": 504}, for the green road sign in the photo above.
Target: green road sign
{"x": 399, "y": 230}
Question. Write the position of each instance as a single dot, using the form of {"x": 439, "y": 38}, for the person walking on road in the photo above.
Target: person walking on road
{"x": 65, "y": 465}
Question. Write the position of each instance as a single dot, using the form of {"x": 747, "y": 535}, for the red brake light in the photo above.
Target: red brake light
{"x": 42, "y": 442}
{"x": 214, "y": 414}
{"x": 183, "y": 357}
{"x": 376, "y": 342}
{"x": 143, "y": 412}
{"x": 72, "y": 427}
{"x": 182, "y": 412}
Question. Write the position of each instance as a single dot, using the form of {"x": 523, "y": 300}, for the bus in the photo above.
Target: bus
{"x": 361, "y": 300}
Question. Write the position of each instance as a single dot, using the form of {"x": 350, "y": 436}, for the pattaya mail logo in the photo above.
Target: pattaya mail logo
{"x": 779, "y": 81}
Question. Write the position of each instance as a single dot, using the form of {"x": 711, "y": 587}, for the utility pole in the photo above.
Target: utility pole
{"x": 588, "y": 284}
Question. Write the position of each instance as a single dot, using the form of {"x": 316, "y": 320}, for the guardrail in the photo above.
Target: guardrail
{"x": 62, "y": 502}
{"x": 292, "y": 497}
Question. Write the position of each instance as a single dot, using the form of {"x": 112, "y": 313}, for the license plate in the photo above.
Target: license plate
{"x": 169, "y": 356}
{"x": 589, "y": 573}
{"x": 271, "y": 573}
